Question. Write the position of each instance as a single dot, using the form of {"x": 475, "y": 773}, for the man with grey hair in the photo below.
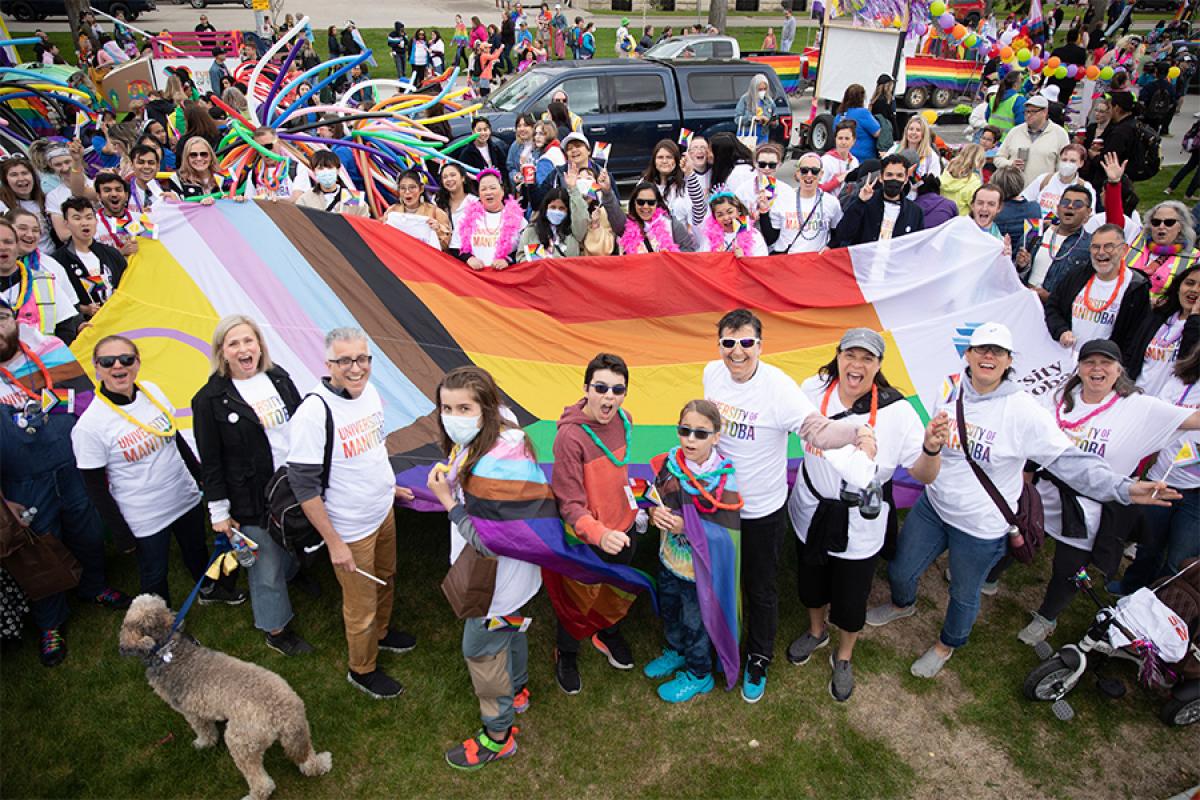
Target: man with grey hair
{"x": 352, "y": 507}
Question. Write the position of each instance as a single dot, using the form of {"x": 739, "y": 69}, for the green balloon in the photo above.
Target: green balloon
{"x": 1106, "y": 73}
{"x": 1060, "y": 73}
{"x": 937, "y": 8}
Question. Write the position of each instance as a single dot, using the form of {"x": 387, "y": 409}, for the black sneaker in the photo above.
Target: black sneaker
{"x": 306, "y": 583}
{"x": 218, "y": 593}
{"x": 566, "y": 671}
{"x": 54, "y": 648}
{"x": 114, "y": 599}
{"x": 801, "y": 650}
{"x": 615, "y": 649}
{"x": 397, "y": 641}
{"x": 288, "y": 643}
{"x": 378, "y": 684}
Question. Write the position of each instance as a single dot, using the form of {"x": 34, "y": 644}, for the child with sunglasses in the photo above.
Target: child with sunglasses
{"x": 697, "y": 504}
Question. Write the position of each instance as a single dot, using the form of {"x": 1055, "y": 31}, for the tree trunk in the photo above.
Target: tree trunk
{"x": 716, "y": 14}
{"x": 1099, "y": 9}
{"x": 75, "y": 11}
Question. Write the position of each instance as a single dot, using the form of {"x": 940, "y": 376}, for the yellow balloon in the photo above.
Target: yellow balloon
{"x": 929, "y": 116}
{"x": 1173, "y": 73}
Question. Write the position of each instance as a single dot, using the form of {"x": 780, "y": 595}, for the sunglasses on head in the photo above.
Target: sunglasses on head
{"x": 808, "y": 170}
{"x": 768, "y": 164}
{"x": 603, "y": 388}
{"x": 645, "y": 201}
{"x": 125, "y": 360}
{"x": 700, "y": 433}
{"x": 1158, "y": 223}
{"x": 746, "y": 344}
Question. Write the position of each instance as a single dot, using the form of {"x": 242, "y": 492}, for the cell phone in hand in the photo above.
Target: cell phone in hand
{"x": 1023, "y": 153}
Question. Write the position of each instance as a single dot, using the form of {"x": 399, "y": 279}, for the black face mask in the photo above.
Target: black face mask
{"x": 892, "y": 188}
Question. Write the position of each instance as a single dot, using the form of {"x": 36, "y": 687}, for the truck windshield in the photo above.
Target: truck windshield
{"x": 515, "y": 93}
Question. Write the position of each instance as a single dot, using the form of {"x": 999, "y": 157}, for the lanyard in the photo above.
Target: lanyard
{"x": 123, "y": 414}
{"x": 874, "y": 402}
{"x": 37, "y": 362}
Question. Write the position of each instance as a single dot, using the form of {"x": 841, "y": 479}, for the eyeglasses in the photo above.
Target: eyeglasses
{"x": 1076, "y": 203}
{"x": 125, "y": 360}
{"x": 746, "y": 344}
{"x": 808, "y": 170}
{"x": 768, "y": 164}
{"x": 990, "y": 350}
{"x": 345, "y": 361}
{"x": 1109, "y": 248}
{"x": 644, "y": 202}
{"x": 699, "y": 433}
{"x": 1169, "y": 223}
{"x": 603, "y": 388}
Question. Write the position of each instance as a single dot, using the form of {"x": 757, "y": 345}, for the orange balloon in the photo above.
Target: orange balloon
{"x": 1006, "y": 53}
{"x": 1053, "y": 62}
{"x": 1093, "y": 72}
{"x": 959, "y": 31}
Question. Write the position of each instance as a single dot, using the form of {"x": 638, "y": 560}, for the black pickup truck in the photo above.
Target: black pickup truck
{"x": 633, "y": 103}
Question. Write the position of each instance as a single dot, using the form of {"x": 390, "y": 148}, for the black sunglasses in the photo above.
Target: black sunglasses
{"x": 1077, "y": 203}
{"x": 125, "y": 360}
{"x": 1158, "y": 223}
{"x": 603, "y": 388}
{"x": 768, "y": 164}
{"x": 808, "y": 170}
{"x": 746, "y": 344}
{"x": 700, "y": 433}
{"x": 642, "y": 201}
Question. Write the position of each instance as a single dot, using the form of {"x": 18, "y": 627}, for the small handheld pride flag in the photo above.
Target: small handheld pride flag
{"x": 1186, "y": 456}
{"x": 600, "y": 151}
{"x": 949, "y": 386}
{"x": 534, "y": 252}
{"x": 685, "y": 137}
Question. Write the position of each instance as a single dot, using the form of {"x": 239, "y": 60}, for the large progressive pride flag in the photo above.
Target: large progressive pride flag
{"x": 534, "y": 326}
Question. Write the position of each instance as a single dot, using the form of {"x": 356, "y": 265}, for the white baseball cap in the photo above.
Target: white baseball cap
{"x": 992, "y": 333}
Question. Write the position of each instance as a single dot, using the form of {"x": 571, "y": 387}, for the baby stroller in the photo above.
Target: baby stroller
{"x": 1158, "y": 629}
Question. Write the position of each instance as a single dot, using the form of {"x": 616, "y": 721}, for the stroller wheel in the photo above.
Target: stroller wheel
{"x": 1181, "y": 712}
{"x": 1045, "y": 681}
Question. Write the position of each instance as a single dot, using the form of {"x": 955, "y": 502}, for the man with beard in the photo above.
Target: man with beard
{"x": 881, "y": 215}
{"x": 117, "y": 228}
{"x": 38, "y": 477}
{"x": 1063, "y": 248}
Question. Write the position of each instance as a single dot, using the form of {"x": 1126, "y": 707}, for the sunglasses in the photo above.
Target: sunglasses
{"x": 197, "y": 155}
{"x": 1158, "y": 223}
{"x": 125, "y": 360}
{"x": 746, "y": 344}
{"x": 808, "y": 170}
{"x": 699, "y": 433}
{"x": 603, "y": 388}
{"x": 644, "y": 202}
{"x": 1077, "y": 203}
{"x": 768, "y": 164}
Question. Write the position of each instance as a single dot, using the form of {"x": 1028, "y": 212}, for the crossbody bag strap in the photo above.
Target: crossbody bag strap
{"x": 986, "y": 482}
{"x": 327, "y": 458}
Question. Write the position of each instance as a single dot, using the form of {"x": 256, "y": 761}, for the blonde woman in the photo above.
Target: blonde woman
{"x": 962, "y": 177}
{"x": 918, "y": 137}
{"x": 197, "y": 174}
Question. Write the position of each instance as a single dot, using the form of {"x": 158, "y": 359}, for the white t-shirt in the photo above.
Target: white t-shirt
{"x": 59, "y": 195}
{"x": 807, "y": 230}
{"x": 1161, "y": 353}
{"x": 891, "y": 212}
{"x": 1047, "y": 198}
{"x": 485, "y": 153}
{"x": 146, "y": 474}
{"x": 1087, "y": 324}
{"x": 260, "y": 394}
{"x": 678, "y": 203}
{"x": 784, "y": 198}
{"x": 756, "y": 417}
{"x": 898, "y": 435}
{"x": 1188, "y": 399}
{"x": 457, "y": 214}
{"x": 1122, "y": 435}
{"x": 283, "y": 186}
{"x": 832, "y": 166}
{"x": 1052, "y": 248}
{"x": 516, "y": 581}
{"x": 1133, "y": 225}
{"x": 143, "y": 199}
{"x": 362, "y": 485}
{"x": 484, "y": 238}
{"x": 1004, "y": 431}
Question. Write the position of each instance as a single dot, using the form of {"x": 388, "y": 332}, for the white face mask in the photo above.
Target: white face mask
{"x": 1067, "y": 169}
{"x": 461, "y": 430}
{"x": 326, "y": 177}
{"x": 762, "y": 93}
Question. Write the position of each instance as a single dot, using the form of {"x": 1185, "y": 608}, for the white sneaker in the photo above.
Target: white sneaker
{"x": 929, "y": 664}
{"x": 1038, "y": 629}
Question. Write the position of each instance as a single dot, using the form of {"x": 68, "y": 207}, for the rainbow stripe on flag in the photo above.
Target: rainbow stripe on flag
{"x": 942, "y": 73}
{"x": 787, "y": 66}
{"x": 71, "y": 389}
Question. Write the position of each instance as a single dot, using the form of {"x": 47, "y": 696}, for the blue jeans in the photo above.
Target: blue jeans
{"x": 1171, "y": 532}
{"x": 273, "y": 567}
{"x": 923, "y": 538}
{"x": 153, "y": 552}
{"x": 679, "y": 606}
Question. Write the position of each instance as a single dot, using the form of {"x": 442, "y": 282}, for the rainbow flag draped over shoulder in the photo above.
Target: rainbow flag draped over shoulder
{"x": 70, "y": 389}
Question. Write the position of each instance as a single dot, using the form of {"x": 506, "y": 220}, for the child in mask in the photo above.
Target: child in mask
{"x": 699, "y": 506}
{"x": 473, "y": 426}
{"x": 329, "y": 192}
{"x": 558, "y": 228}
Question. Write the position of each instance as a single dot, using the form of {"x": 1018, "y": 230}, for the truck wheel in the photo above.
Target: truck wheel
{"x": 916, "y": 97}
{"x": 820, "y": 135}
{"x": 247, "y": 3}
{"x": 23, "y": 12}
{"x": 941, "y": 98}
{"x": 198, "y": 3}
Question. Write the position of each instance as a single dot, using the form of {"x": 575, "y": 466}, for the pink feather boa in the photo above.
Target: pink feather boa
{"x": 716, "y": 237}
{"x": 658, "y": 230}
{"x": 512, "y": 220}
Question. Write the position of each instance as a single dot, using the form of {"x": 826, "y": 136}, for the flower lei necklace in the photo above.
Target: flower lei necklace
{"x": 47, "y": 382}
{"x": 167, "y": 434}
{"x": 704, "y": 484}
{"x": 603, "y": 449}
{"x": 1079, "y": 423}
{"x": 1112, "y": 298}
{"x": 715, "y": 234}
{"x": 874, "y": 401}
{"x": 657, "y": 230}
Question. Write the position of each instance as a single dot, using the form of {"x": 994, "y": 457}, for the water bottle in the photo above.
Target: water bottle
{"x": 241, "y": 551}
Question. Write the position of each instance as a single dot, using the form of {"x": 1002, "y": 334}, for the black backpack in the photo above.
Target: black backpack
{"x": 1161, "y": 103}
{"x": 286, "y": 520}
{"x": 1146, "y": 158}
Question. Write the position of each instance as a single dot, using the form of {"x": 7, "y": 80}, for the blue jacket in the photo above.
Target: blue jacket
{"x": 865, "y": 133}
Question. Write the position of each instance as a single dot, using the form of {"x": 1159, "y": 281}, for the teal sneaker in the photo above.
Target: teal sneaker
{"x": 664, "y": 665}
{"x": 685, "y": 686}
{"x": 754, "y": 680}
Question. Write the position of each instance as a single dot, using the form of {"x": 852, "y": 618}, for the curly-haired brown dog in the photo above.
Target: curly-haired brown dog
{"x": 206, "y": 687}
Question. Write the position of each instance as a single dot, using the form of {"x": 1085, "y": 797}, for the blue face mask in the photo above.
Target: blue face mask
{"x": 555, "y": 216}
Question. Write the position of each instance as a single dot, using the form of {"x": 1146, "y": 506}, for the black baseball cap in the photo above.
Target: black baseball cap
{"x": 1100, "y": 347}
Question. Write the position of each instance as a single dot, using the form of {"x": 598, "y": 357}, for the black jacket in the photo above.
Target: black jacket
{"x": 1135, "y": 356}
{"x": 110, "y": 259}
{"x": 860, "y": 222}
{"x": 235, "y": 456}
{"x": 1135, "y": 305}
{"x": 470, "y": 156}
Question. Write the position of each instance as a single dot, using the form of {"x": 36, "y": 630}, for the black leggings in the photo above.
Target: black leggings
{"x": 1061, "y": 590}
{"x": 1192, "y": 166}
{"x": 761, "y": 539}
{"x": 841, "y": 583}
